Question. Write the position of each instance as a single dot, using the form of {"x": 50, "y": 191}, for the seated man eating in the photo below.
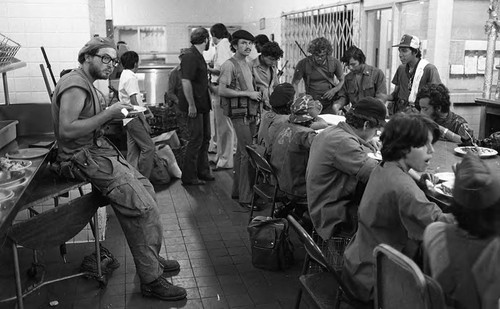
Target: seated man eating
{"x": 393, "y": 210}
{"x": 434, "y": 101}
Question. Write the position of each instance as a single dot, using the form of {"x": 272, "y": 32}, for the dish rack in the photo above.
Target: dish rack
{"x": 8, "y": 49}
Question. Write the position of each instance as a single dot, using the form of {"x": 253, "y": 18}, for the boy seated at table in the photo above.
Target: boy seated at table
{"x": 393, "y": 209}
{"x": 465, "y": 257}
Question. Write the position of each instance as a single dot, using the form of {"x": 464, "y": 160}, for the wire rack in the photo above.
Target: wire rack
{"x": 8, "y": 49}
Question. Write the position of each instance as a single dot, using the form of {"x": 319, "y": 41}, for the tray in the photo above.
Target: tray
{"x": 5, "y": 194}
{"x": 445, "y": 176}
{"x": 27, "y": 153}
{"x": 18, "y": 179}
{"x": 483, "y": 151}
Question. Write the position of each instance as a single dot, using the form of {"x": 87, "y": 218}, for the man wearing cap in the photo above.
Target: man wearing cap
{"x": 464, "y": 257}
{"x": 413, "y": 73}
{"x": 339, "y": 167}
{"x": 281, "y": 99}
{"x": 196, "y": 104}
{"x": 290, "y": 148}
{"x": 240, "y": 102}
{"x": 84, "y": 154}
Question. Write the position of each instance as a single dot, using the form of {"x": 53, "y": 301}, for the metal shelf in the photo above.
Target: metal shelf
{"x": 16, "y": 64}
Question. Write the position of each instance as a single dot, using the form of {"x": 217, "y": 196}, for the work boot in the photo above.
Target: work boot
{"x": 162, "y": 289}
{"x": 168, "y": 265}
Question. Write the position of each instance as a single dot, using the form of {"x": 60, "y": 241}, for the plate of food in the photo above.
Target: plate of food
{"x": 5, "y": 194}
{"x": 445, "y": 176}
{"x": 375, "y": 155}
{"x": 10, "y": 165}
{"x": 136, "y": 109}
{"x": 445, "y": 188}
{"x": 483, "y": 152}
{"x": 27, "y": 153}
{"x": 14, "y": 179}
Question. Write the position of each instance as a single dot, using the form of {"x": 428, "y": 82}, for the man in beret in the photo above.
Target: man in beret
{"x": 197, "y": 105}
{"x": 465, "y": 257}
{"x": 281, "y": 99}
{"x": 84, "y": 154}
{"x": 240, "y": 102}
{"x": 339, "y": 168}
{"x": 290, "y": 148}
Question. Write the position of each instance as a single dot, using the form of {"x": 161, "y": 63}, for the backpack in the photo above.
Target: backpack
{"x": 270, "y": 242}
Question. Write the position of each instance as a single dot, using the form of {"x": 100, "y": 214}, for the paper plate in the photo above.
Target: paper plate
{"x": 27, "y": 153}
{"x": 137, "y": 109}
{"x": 483, "y": 151}
{"x": 446, "y": 176}
{"x": 377, "y": 156}
{"x": 332, "y": 119}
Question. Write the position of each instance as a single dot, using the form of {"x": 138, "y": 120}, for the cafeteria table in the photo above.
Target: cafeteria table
{"x": 443, "y": 159}
{"x": 52, "y": 227}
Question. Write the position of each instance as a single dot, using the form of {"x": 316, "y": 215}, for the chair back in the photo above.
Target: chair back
{"x": 401, "y": 284}
{"x": 259, "y": 162}
{"x": 315, "y": 253}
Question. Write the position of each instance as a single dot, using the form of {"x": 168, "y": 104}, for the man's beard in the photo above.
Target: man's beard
{"x": 97, "y": 74}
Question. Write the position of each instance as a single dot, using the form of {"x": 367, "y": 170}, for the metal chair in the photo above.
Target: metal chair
{"x": 266, "y": 183}
{"x": 326, "y": 288}
{"x": 401, "y": 284}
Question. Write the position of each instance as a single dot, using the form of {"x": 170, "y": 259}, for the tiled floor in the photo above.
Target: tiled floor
{"x": 203, "y": 228}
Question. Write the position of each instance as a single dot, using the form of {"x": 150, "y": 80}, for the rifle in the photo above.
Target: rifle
{"x": 48, "y": 65}
{"x": 303, "y": 52}
{"x": 280, "y": 71}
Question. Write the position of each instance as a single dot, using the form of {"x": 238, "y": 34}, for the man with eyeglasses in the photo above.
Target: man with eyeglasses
{"x": 362, "y": 81}
{"x": 322, "y": 74}
{"x": 264, "y": 69}
{"x": 84, "y": 154}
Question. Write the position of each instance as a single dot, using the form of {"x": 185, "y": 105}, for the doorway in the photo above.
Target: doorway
{"x": 379, "y": 41}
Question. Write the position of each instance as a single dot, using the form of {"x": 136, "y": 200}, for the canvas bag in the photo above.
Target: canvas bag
{"x": 270, "y": 242}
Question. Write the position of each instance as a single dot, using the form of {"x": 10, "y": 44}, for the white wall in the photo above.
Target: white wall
{"x": 61, "y": 27}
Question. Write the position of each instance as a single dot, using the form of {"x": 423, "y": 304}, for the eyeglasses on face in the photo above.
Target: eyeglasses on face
{"x": 106, "y": 59}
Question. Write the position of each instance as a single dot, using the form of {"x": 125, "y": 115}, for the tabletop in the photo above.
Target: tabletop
{"x": 443, "y": 159}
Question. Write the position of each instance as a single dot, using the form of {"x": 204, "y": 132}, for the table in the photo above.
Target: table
{"x": 443, "y": 159}
{"x": 40, "y": 230}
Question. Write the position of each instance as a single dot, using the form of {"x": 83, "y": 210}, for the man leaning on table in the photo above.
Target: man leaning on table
{"x": 85, "y": 154}
{"x": 339, "y": 167}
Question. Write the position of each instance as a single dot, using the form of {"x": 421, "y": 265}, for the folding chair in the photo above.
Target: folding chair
{"x": 401, "y": 284}
{"x": 326, "y": 288}
{"x": 266, "y": 183}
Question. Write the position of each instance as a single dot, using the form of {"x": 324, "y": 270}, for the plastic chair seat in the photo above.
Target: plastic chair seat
{"x": 322, "y": 287}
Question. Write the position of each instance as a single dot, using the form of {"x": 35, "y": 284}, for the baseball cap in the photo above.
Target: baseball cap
{"x": 97, "y": 42}
{"x": 409, "y": 41}
{"x": 371, "y": 108}
{"x": 300, "y": 109}
{"x": 243, "y": 34}
{"x": 282, "y": 95}
{"x": 476, "y": 186}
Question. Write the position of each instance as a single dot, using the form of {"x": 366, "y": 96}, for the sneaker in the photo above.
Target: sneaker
{"x": 162, "y": 289}
{"x": 168, "y": 265}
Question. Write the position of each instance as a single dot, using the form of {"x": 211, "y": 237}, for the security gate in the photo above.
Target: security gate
{"x": 338, "y": 23}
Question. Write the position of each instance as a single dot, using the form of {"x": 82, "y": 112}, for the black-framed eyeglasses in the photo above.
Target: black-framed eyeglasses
{"x": 107, "y": 59}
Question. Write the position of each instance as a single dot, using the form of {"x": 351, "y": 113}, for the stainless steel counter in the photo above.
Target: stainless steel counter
{"x": 153, "y": 80}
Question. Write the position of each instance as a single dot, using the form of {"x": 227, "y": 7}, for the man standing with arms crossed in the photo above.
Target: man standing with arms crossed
{"x": 196, "y": 103}
{"x": 84, "y": 154}
{"x": 241, "y": 103}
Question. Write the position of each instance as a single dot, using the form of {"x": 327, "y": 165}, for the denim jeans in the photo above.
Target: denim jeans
{"x": 132, "y": 198}
{"x": 196, "y": 159}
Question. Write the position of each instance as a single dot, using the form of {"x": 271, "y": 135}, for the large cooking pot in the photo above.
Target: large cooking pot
{"x": 153, "y": 82}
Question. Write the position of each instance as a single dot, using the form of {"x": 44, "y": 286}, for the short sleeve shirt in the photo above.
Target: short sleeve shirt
{"x": 402, "y": 79}
{"x": 194, "y": 68}
{"x": 318, "y": 85}
{"x": 128, "y": 86}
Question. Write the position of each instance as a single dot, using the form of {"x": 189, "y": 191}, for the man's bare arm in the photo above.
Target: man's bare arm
{"x": 71, "y": 105}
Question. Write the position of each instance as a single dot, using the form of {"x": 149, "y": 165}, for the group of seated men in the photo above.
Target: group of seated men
{"x": 350, "y": 193}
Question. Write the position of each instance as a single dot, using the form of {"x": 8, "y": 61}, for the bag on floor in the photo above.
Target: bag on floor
{"x": 271, "y": 245}
{"x": 159, "y": 174}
